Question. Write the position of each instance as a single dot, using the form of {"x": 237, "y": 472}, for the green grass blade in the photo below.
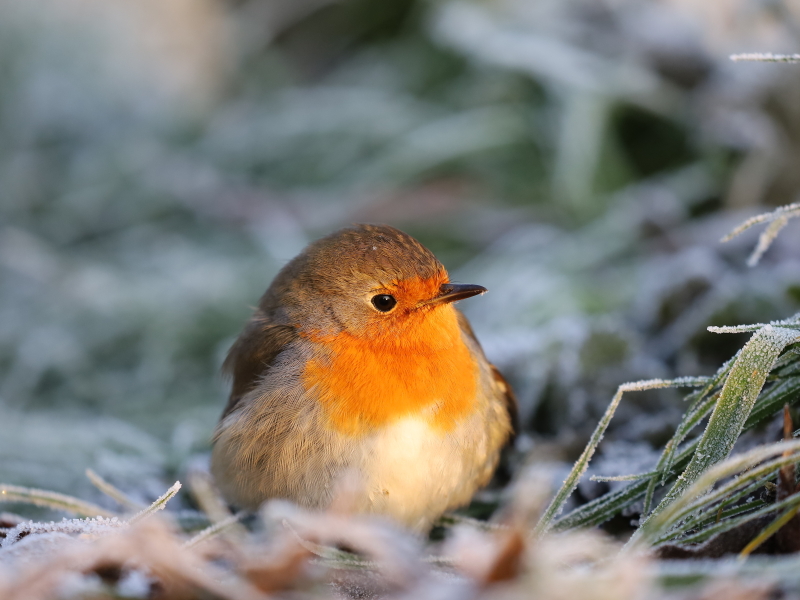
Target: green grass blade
{"x": 790, "y": 505}
{"x": 571, "y": 482}
{"x": 783, "y": 392}
{"x": 695, "y": 496}
{"x": 706, "y": 508}
{"x": 773, "y": 527}
{"x": 700, "y": 407}
{"x": 707, "y": 533}
{"x": 633, "y": 477}
{"x": 603, "y": 508}
{"x": 734, "y": 518}
{"x": 789, "y": 362}
{"x": 742, "y": 387}
{"x": 691, "y": 420}
{"x": 712, "y": 512}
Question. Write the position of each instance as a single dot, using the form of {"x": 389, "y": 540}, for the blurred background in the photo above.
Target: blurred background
{"x": 160, "y": 160}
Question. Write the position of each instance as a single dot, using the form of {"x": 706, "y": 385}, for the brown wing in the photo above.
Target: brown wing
{"x": 253, "y": 352}
{"x": 512, "y": 406}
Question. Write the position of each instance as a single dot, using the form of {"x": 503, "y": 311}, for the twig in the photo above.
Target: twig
{"x": 214, "y": 530}
{"x": 158, "y": 504}
{"x": 765, "y": 57}
{"x": 54, "y": 500}
{"x": 112, "y": 492}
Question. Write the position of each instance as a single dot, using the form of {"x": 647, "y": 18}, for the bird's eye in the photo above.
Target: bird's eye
{"x": 384, "y": 302}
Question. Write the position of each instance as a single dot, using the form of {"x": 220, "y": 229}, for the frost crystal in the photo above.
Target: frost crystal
{"x": 778, "y": 218}
{"x": 93, "y": 527}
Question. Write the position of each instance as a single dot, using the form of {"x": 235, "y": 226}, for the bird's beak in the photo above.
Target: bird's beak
{"x": 451, "y": 292}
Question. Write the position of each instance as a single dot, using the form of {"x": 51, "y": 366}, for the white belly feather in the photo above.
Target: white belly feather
{"x": 414, "y": 472}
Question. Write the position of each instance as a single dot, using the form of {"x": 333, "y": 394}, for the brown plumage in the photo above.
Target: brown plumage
{"x": 357, "y": 360}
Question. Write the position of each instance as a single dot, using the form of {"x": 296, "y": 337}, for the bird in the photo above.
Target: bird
{"x": 357, "y": 361}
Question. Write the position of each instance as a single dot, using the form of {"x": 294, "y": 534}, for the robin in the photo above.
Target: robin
{"x": 357, "y": 360}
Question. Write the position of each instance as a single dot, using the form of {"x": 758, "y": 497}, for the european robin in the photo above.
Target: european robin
{"x": 357, "y": 360}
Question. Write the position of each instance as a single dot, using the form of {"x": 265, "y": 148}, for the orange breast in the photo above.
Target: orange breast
{"x": 423, "y": 370}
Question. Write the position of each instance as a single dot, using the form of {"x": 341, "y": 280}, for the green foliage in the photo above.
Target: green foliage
{"x": 736, "y": 398}
{"x": 576, "y": 160}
